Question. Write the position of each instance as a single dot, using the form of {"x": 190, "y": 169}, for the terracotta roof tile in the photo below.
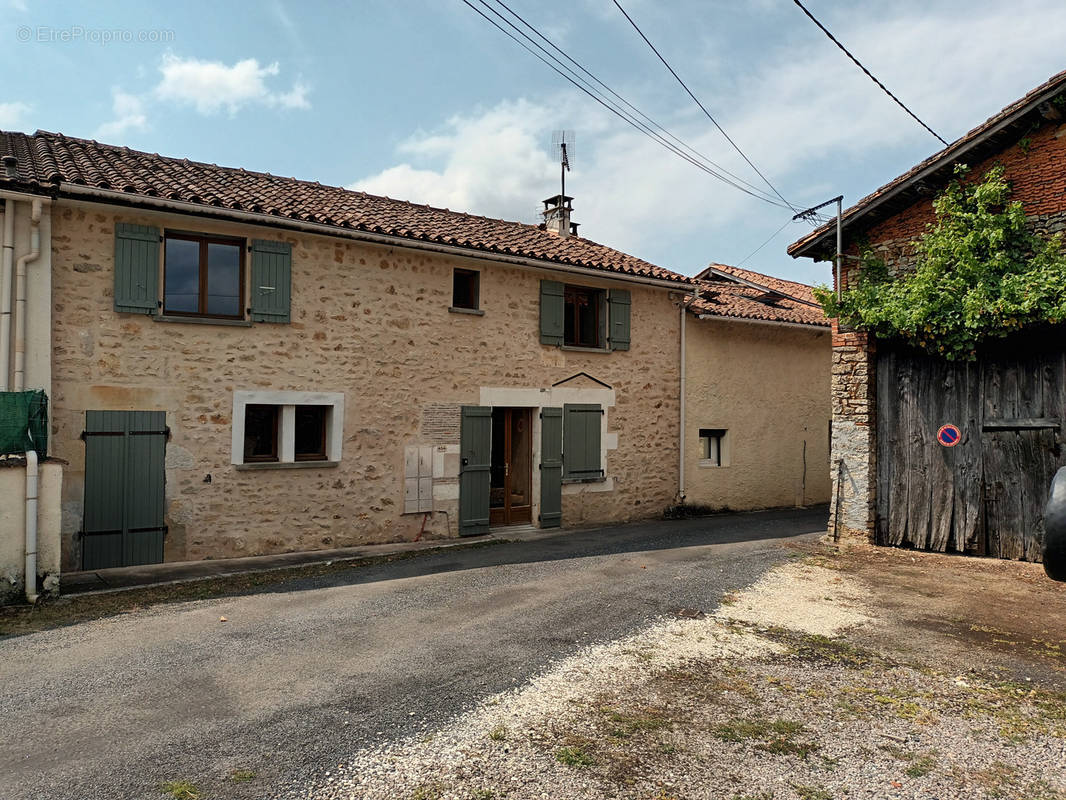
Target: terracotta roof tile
{"x": 760, "y": 297}
{"x": 49, "y": 161}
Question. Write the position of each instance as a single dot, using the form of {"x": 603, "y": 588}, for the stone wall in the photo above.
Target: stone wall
{"x": 1036, "y": 168}
{"x": 371, "y": 322}
{"x": 768, "y": 387}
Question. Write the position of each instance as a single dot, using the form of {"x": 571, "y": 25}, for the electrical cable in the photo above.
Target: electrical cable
{"x": 869, "y": 74}
{"x": 575, "y": 80}
{"x": 622, "y": 100}
{"x": 702, "y": 107}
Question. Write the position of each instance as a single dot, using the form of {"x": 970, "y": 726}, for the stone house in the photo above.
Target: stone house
{"x": 749, "y": 336}
{"x": 239, "y": 363}
{"x": 894, "y": 481}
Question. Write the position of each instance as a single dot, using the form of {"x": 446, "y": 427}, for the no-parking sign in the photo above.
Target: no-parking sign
{"x": 949, "y": 435}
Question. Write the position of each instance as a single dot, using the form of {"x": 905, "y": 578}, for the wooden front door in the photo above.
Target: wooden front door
{"x": 510, "y": 493}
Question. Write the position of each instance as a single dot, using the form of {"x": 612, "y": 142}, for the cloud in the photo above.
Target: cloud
{"x": 211, "y": 86}
{"x": 804, "y": 114}
{"x": 12, "y": 114}
{"x": 129, "y": 115}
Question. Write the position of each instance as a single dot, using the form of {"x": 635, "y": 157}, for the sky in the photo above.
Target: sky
{"x": 423, "y": 100}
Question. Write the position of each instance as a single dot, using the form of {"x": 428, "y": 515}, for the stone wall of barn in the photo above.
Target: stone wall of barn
{"x": 373, "y": 323}
{"x": 1036, "y": 168}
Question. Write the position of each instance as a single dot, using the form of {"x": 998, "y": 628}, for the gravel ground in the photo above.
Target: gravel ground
{"x": 305, "y": 673}
{"x": 767, "y": 699}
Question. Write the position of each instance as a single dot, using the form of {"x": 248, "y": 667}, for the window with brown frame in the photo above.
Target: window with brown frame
{"x": 261, "y": 432}
{"x": 310, "y": 433}
{"x": 582, "y": 323}
{"x": 203, "y": 276}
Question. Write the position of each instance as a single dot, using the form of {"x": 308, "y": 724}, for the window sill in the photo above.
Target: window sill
{"x": 597, "y": 479}
{"x": 707, "y": 463}
{"x": 285, "y": 465}
{"x": 476, "y": 312}
{"x": 576, "y": 349}
{"x": 239, "y": 323}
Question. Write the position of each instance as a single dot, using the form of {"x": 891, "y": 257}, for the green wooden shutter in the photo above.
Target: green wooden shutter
{"x": 136, "y": 268}
{"x": 475, "y": 453}
{"x": 552, "y": 311}
{"x": 125, "y": 454}
{"x": 551, "y": 467}
{"x": 271, "y": 281}
{"x": 581, "y": 441}
{"x": 618, "y": 316}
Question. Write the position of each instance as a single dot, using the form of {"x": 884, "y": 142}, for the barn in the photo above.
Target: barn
{"x": 950, "y": 454}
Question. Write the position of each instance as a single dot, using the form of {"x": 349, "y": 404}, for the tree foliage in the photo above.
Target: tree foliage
{"x": 980, "y": 274}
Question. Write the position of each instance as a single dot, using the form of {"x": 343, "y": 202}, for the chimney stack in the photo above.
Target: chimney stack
{"x": 557, "y": 216}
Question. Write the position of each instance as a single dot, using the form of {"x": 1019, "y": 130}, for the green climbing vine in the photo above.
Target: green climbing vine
{"x": 980, "y": 274}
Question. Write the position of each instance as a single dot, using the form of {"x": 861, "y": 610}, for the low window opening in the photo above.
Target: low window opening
{"x": 261, "y": 433}
{"x": 711, "y": 445}
{"x": 310, "y": 433}
{"x": 582, "y": 323}
{"x": 466, "y": 285}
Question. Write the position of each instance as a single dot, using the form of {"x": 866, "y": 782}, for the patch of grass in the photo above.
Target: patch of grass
{"x": 242, "y": 776}
{"x": 574, "y": 756}
{"x": 626, "y": 724}
{"x": 776, "y": 737}
{"x": 428, "y": 791}
{"x": 922, "y": 766}
{"x": 499, "y": 733}
{"x": 180, "y": 790}
{"x": 812, "y": 792}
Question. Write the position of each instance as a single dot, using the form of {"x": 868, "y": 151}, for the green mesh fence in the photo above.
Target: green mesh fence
{"x": 23, "y": 422}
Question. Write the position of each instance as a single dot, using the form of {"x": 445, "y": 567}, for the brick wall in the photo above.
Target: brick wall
{"x": 371, "y": 322}
{"x": 1037, "y": 171}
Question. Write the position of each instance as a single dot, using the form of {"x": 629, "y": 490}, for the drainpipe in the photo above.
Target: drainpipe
{"x": 20, "y": 295}
{"x": 6, "y": 263}
{"x": 31, "y": 526}
{"x": 681, "y": 433}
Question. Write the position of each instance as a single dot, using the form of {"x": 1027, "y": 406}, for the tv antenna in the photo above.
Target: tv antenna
{"x": 563, "y": 146}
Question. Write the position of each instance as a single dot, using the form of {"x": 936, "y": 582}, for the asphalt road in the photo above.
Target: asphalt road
{"x": 301, "y": 675}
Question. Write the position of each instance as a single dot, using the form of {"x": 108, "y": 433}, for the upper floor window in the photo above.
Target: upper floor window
{"x": 583, "y": 309}
{"x": 203, "y": 276}
{"x": 466, "y": 289}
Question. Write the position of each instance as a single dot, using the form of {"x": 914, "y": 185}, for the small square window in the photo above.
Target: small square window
{"x": 711, "y": 440}
{"x": 261, "y": 432}
{"x": 582, "y": 323}
{"x": 310, "y": 433}
{"x": 466, "y": 289}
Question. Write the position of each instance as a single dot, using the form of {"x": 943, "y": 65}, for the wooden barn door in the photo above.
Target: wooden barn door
{"x": 986, "y": 495}
{"x": 1024, "y": 407}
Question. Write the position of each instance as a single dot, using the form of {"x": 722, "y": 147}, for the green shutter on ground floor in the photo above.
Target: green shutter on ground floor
{"x": 581, "y": 441}
{"x": 551, "y": 467}
{"x": 475, "y": 460}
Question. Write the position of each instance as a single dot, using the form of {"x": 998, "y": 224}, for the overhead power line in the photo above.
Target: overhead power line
{"x": 769, "y": 239}
{"x": 621, "y": 99}
{"x": 702, "y": 107}
{"x": 869, "y": 74}
{"x": 579, "y": 82}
